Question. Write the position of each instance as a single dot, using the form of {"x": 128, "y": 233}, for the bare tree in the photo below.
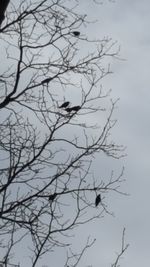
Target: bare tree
{"x": 51, "y": 101}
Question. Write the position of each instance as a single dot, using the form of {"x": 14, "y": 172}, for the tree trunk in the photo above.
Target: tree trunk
{"x": 3, "y": 6}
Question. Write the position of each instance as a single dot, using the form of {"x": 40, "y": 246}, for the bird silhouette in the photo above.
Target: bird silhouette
{"x": 52, "y": 197}
{"x": 46, "y": 81}
{"x": 68, "y": 109}
{"x": 65, "y": 104}
{"x": 97, "y": 200}
{"x": 75, "y": 108}
{"x": 76, "y": 33}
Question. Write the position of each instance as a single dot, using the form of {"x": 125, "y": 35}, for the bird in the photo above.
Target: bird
{"x": 76, "y": 33}
{"x": 97, "y": 200}
{"x": 46, "y": 81}
{"x": 65, "y": 104}
{"x": 75, "y": 108}
{"x": 52, "y": 197}
{"x": 68, "y": 109}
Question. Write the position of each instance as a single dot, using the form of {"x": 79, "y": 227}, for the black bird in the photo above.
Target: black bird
{"x": 97, "y": 200}
{"x": 76, "y": 33}
{"x": 76, "y": 108}
{"x": 68, "y": 109}
{"x": 46, "y": 81}
{"x": 65, "y": 104}
{"x": 52, "y": 197}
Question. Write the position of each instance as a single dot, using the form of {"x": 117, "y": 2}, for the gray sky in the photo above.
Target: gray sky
{"x": 129, "y": 23}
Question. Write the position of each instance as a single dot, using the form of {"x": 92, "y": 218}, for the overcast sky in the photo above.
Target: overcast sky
{"x": 128, "y": 22}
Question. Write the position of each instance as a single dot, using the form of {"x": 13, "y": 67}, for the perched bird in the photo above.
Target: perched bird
{"x": 68, "y": 109}
{"x": 76, "y": 33}
{"x": 65, "y": 104}
{"x": 46, "y": 81}
{"x": 52, "y": 197}
{"x": 97, "y": 200}
{"x": 75, "y": 108}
